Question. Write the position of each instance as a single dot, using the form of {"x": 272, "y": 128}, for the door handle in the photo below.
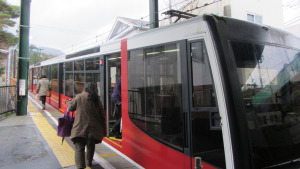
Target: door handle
{"x": 198, "y": 163}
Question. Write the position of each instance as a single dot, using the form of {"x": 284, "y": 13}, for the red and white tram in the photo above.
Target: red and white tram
{"x": 210, "y": 92}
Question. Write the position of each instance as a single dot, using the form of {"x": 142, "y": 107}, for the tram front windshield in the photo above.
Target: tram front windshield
{"x": 269, "y": 78}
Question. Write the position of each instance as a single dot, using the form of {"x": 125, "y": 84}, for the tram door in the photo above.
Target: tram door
{"x": 206, "y": 133}
{"x": 113, "y": 73}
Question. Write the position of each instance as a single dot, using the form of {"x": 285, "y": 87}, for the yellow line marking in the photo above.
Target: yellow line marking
{"x": 111, "y": 140}
{"x": 108, "y": 155}
{"x": 64, "y": 153}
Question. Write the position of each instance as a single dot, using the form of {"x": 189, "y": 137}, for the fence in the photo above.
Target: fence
{"x": 8, "y": 99}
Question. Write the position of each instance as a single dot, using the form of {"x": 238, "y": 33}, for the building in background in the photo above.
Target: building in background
{"x": 294, "y": 29}
{"x": 267, "y": 12}
{"x": 126, "y": 27}
{"x": 291, "y": 15}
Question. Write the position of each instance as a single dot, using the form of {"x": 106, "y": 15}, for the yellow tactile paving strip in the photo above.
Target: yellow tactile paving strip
{"x": 108, "y": 155}
{"x": 64, "y": 153}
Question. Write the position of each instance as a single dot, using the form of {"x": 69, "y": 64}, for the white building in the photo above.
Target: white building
{"x": 267, "y": 12}
{"x": 126, "y": 27}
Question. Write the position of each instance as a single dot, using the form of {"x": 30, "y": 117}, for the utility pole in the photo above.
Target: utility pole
{"x": 153, "y": 9}
{"x": 170, "y": 7}
{"x": 23, "y": 59}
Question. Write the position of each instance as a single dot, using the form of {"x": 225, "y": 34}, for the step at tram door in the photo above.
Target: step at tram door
{"x": 206, "y": 142}
{"x": 113, "y": 73}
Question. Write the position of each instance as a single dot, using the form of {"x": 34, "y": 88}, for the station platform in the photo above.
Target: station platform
{"x": 30, "y": 142}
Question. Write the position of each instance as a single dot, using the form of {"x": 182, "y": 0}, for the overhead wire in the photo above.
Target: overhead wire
{"x": 71, "y": 47}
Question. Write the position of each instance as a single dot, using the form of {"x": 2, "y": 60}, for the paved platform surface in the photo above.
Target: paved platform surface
{"x": 30, "y": 142}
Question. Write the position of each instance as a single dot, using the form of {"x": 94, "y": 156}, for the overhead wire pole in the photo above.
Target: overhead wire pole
{"x": 153, "y": 9}
{"x": 23, "y": 59}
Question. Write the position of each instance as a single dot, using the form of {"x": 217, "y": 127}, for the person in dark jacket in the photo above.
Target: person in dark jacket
{"x": 116, "y": 101}
{"x": 89, "y": 124}
{"x": 42, "y": 87}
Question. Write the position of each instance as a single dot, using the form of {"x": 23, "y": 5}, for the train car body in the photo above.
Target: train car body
{"x": 209, "y": 92}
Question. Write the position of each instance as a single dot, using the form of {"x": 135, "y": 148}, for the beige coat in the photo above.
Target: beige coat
{"x": 89, "y": 121}
{"x": 43, "y": 86}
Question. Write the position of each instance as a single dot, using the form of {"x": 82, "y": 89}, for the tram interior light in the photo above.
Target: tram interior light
{"x": 166, "y": 51}
{"x": 114, "y": 58}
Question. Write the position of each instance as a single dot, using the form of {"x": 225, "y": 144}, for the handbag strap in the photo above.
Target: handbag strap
{"x": 68, "y": 113}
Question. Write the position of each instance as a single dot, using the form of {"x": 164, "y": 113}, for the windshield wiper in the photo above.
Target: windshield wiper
{"x": 294, "y": 164}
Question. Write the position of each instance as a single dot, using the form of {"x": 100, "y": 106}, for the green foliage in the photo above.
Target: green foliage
{"x": 7, "y": 14}
{"x": 2, "y": 69}
{"x": 36, "y": 56}
{"x": 7, "y": 114}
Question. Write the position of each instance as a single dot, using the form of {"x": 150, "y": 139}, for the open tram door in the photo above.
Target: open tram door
{"x": 203, "y": 113}
{"x": 113, "y": 73}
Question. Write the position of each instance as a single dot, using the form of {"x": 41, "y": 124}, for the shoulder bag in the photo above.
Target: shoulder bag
{"x": 65, "y": 125}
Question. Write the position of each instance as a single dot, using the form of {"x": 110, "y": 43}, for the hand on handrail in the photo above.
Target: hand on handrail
{"x": 67, "y": 100}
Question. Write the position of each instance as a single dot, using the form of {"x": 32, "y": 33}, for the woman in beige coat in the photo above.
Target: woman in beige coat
{"x": 89, "y": 124}
{"x": 42, "y": 87}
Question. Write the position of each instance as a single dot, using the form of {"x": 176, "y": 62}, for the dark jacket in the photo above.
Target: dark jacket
{"x": 116, "y": 95}
{"x": 89, "y": 120}
{"x": 43, "y": 86}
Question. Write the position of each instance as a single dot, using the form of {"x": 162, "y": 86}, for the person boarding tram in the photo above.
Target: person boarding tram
{"x": 89, "y": 124}
{"x": 116, "y": 101}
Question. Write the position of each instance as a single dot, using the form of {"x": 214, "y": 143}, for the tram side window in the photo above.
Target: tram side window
{"x": 92, "y": 64}
{"x": 69, "y": 85}
{"x": 69, "y": 66}
{"x": 207, "y": 140}
{"x": 95, "y": 78}
{"x": 155, "y": 104}
{"x": 35, "y": 76}
{"x": 54, "y": 78}
{"x": 270, "y": 87}
{"x": 79, "y": 83}
{"x": 79, "y": 65}
{"x": 45, "y": 71}
{"x": 203, "y": 93}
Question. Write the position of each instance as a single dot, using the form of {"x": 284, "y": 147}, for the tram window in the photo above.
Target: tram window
{"x": 69, "y": 85}
{"x": 269, "y": 82}
{"x": 63, "y": 79}
{"x": 39, "y": 72}
{"x": 95, "y": 78}
{"x": 35, "y": 76}
{"x": 206, "y": 131}
{"x": 54, "y": 78}
{"x": 203, "y": 93}
{"x": 79, "y": 83}
{"x": 155, "y": 104}
{"x": 92, "y": 64}
{"x": 45, "y": 71}
{"x": 78, "y": 65}
{"x": 69, "y": 66}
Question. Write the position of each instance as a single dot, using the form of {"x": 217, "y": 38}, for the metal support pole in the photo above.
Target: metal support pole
{"x": 23, "y": 59}
{"x": 153, "y": 9}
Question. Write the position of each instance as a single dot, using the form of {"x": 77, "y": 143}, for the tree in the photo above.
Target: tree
{"x": 2, "y": 69}
{"x": 36, "y": 55}
{"x": 7, "y": 14}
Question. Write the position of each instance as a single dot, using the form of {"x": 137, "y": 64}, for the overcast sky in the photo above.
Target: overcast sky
{"x": 65, "y": 24}
{"x": 68, "y": 25}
